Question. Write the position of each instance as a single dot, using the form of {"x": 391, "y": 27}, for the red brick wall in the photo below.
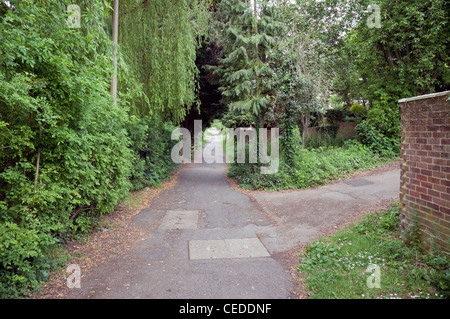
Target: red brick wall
{"x": 425, "y": 169}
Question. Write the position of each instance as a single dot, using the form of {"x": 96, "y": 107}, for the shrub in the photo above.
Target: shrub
{"x": 21, "y": 258}
{"x": 334, "y": 117}
{"x": 380, "y": 144}
{"x": 235, "y": 119}
{"x": 151, "y": 144}
{"x": 384, "y": 115}
{"x": 357, "y": 109}
{"x": 65, "y": 155}
{"x": 310, "y": 167}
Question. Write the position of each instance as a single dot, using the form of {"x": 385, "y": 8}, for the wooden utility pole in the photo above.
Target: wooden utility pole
{"x": 115, "y": 27}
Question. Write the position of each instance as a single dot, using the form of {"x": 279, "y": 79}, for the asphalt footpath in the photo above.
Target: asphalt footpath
{"x": 205, "y": 239}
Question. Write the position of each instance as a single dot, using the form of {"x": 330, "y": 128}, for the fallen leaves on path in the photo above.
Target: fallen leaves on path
{"x": 102, "y": 245}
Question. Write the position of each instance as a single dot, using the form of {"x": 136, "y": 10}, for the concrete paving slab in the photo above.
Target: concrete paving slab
{"x": 180, "y": 219}
{"x": 227, "y": 248}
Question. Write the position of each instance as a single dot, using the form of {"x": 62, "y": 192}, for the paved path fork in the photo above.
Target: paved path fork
{"x": 204, "y": 239}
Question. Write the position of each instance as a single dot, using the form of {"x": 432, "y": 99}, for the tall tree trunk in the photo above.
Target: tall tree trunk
{"x": 115, "y": 25}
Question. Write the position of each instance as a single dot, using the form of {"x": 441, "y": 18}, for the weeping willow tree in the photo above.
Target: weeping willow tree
{"x": 158, "y": 77}
{"x": 158, "y": 40}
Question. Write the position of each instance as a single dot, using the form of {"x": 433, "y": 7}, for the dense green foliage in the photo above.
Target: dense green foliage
{"x": 158, "y": 41}
{"x": 337, "y": 266}
{"x": 65, "y": 150}
{"x": 357, "y": 68}
{"x": 235, "y": 118}
{"x": 370, "y": 135}
{"x": 151, "y": 145}
{"x": 247, "y": 38}
{"x": 405, "y": 55}
{"x": 68, "y": 154}
{"x": 310, "y": 167}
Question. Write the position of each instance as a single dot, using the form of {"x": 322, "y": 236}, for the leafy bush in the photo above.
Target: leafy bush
{"x": 152, "y": 146}
{"x": 357, "y": 109}
{"x": 21, "y": 258}
{"x": 68, "y": 154}
{"x": 335, "y": 116}
{"x": 380, "y": 144}
{"x": 311, "y": 167}
{"x": 65, "y": 155}
{"x": 384, "y": 114}
{"x": 235, "y": 119}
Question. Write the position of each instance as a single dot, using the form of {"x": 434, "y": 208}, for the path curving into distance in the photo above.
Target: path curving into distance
{"x": 205, "y": 239}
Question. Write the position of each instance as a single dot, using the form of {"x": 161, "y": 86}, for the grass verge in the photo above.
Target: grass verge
{"x": 371, "y": 260}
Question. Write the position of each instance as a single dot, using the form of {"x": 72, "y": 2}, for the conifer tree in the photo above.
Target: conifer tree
{"x": 248, "y": 32}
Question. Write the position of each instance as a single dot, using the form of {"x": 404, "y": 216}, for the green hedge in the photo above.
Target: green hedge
{"x": 152, "y": 145}
{"x": 310, "y": 167}
{"x": 67, "y": 153}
